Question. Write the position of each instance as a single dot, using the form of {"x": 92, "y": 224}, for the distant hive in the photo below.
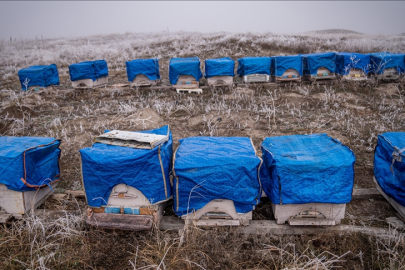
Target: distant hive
{"x": 143, "y": 72}
{"x": 286, "y": 68}
{"x": 38, "y": 76}
{"x": 185, "y": 73}
{"x": 319, "y": 66}
{"x": 220, "y": 71}
{"x": 254, "y": 69}
{"x": 89, "y": 74}
{"x": 387, "y": 66}
{"x": 353, "y": 66}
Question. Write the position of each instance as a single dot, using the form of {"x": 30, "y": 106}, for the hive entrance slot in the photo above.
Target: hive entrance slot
{"x": 309, "y": 215}
{"x": 216, "y": 215}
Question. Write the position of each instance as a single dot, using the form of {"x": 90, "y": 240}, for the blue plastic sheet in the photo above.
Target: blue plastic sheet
{"x": 184, "y": 66}
{"x": 279, "y": 64}
{"x": 219, "y": 67}
{"x": 389, "y": 165}
{"x": 41, "y": 162}
{"x": 105, "y": 166}
{"x": 301, "y": 169}
{"x": 312, "y": 62}
{"x": 208, "y": 168}
{"x": 147, "y": 67}
{"x": 88, "y": 70}
{"x": 346, "y": 61}
{"x": 383, "y": 60}
{"x": 42, "y": 76}
{"x": 253, "y": 65}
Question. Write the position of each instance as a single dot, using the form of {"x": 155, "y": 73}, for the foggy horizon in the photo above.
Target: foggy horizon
{"x": 33, "y": 19}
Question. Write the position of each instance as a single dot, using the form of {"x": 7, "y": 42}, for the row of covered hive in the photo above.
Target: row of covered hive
{"x": 316, "y": 65}
{"x": 209, "y": 176}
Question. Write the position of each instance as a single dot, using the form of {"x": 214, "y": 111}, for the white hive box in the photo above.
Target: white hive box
{"x": 220, "y": 80}
{"x": 288, "y": 76}
{"x": 389, "y": 74}
{"x": 89, "y": 83}
{"x": 253, "y": 78}
{"x": 323, "y": 73}
{"x": 16, "y": 203}
{"x": 142, "y": 80}
{"x": 218, "y": 213}
{"x": 314, "y": 214}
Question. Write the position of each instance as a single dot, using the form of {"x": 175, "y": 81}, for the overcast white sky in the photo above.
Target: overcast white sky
{"x": 68, "y": 19}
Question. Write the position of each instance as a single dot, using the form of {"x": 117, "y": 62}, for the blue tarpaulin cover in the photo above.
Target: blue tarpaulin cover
{"x": 253, "y": 65}
{"x": 184, "y": 66}
{"x": 147, "y": 67}
{"x": 42, "y": 76}
{"x": 41, "y": 162}
{"x": 219, "y": 67}
{"x": 389, "y": 164}
{"x": 208, "y": 168}
{"x": 383, "y": 60}
{"x": 105, "y": 166}
{"x": 301, "y": 169}
{"x": 346, "y": 61}
{"x": 279, "y": 64}
{"x": 313, "y": 61}
{"x": 88, "y": 70}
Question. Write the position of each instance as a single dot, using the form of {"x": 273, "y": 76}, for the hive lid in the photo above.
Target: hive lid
{"x": 132, "y": 139}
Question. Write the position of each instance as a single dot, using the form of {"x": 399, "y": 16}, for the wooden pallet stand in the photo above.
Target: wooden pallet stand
{"x": 220, "y": 80}
{"x": 399, "y": 208}
{"x": 141, "y": 81}
{"x": 312, "y": 214}
{"x": 218, "y": 212}
{"x": 16, "y": 204}
{"x": 198, "y": 91}
{"x": 89, "y": 83}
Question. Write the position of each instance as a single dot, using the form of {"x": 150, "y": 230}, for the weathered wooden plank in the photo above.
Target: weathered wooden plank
{"x": 215, "y": 222}
{"x": 271, "y": 227}
{"x": 76, "y": 193}
{"x": 366, "y": 194}
{"x": 170, "y": 223}
{"x": 395, "y": 222}
{"x": 4, "y": 217}
{"x": 54, "y": 214}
